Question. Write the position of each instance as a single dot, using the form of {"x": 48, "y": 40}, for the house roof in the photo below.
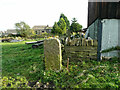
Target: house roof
{"x": 41, "y": 27}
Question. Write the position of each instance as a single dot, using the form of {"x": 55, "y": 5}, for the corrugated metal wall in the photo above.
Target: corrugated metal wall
{"x": 110, "y": 37}
{"x": 119, "y": 32}
{"x": 93, "y": 29}
{"x": 109, "y": 33}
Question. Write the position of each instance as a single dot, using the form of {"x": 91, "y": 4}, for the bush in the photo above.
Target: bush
{"x": 18, "y": 82}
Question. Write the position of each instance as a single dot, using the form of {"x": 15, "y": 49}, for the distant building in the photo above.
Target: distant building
{"x": 1, "y": 33}
{"x": 42, "y": 29}
{"x": 11, "y": 31}
{"x": 38, "y": 30}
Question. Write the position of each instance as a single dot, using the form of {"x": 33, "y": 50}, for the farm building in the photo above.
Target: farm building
{"x": 104, "y": 25}
{"x": 12, "y": 31}
{"x": 38, "y": 30}
{"x": 42, "y": 29}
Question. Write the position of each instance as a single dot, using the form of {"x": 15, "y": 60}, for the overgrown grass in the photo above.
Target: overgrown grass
{"x": 87, "y": 74}
{"x": 111, "y": 49}
{"x": 19, "y": 59}
{"x": 23, "y": 66}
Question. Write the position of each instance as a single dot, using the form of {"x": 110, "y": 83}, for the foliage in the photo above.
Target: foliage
{"x": 111, "y": 49}
{"x": 19, "y": 59}
{"x": 66, "y": 21}
{"x": 18, "y": 82}
{"x": 23, "y": 29}
{"x": 75, "y": 27}
{"x": 61, "y": 26}
{"x": 56, "y": 29}
{"x": 43, "y": 35}
{"x": 12, "y": 35}
{"x": 74, "y": 20}
{"x": 23, "y": 66}
{"x": 88, "y": 74}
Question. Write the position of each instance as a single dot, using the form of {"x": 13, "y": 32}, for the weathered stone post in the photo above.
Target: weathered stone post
{"x": 83, "y": 42}
{"x": 92, "y": 43}
{"x": 52, "y": 53}
{"x": 87, "y": 42}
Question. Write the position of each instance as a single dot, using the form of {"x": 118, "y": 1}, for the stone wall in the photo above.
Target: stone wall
{"x": 81, "y": 42}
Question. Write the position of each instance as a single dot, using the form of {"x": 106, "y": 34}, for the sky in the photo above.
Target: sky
{"x": 41, "y": 12}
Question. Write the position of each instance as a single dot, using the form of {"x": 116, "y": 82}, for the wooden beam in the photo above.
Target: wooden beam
{"x": 37, "y": 45}
{"x": 34, "y": 42}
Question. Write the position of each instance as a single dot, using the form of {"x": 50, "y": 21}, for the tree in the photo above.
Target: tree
{"x": 62, "y": 25}
{"x": 56, "y": 29}
{"x": 74, "y": 20}
{"x": 23, "y": 29}
{"x": 66, "y": 21}
{"x": 59, "y": 27}
{"x": 75, "y": 27}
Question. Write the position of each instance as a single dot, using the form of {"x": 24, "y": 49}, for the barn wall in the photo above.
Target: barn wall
{"x": 110, "y": 36}
{"x": 93, "y": 29}
{"x": 119, "y": 32}
{"x": 103, "y": 10}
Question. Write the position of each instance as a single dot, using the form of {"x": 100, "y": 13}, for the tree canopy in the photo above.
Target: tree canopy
{"x": 60, "y": 27}
{"x": 66, "y": 21}
{"x": 75, "y": 26}
{"x": 23, "y": 29}
{"x": 56, "y": 29}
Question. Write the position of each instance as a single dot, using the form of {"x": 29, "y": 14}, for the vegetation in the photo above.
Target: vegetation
{"x": 86, "y": 74}
{"x": 17, "y": 82}
{"x": 111, "y": 49}
{"x": 61, "y": 26}
{"x": 75, "y": 26}
{"x": 56, "y": 29}
{"x": 66, "y": 21}
{"x": 23, "y": 29}
{"x": 20, "y": 60}
{"x": 23, "y": 67}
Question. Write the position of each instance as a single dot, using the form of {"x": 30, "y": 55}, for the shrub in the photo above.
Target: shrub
{"x": 18, "y": 82}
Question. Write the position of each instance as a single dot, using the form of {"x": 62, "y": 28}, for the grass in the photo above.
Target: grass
{"x": 87, "y": 74}
{"x": 111, "y": 49}
{"x": 21, "y": 60}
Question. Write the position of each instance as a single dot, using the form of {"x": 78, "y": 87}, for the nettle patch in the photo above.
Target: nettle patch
{"x": 90, "y": 74}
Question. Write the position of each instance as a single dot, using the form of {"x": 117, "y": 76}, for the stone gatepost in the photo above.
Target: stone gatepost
{"x": 52, "y": 53}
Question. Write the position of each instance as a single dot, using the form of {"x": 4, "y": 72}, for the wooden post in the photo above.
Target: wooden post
{"x": 68, "y": 64}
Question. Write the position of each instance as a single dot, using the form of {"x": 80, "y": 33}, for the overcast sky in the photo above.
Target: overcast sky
{"x": 41, "y": 12}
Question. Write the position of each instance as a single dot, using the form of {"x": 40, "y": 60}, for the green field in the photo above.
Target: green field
{"x": 23, "y": 66}
{"x": 19, "y": 59}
